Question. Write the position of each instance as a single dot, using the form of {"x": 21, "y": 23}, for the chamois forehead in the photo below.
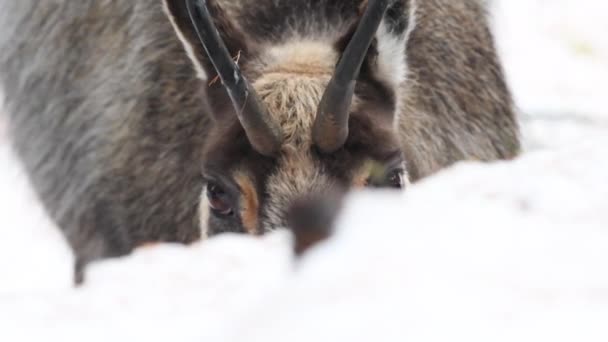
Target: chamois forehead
{"x": 303, "y": 57}
{"x": 292, "y": 102}
{"x": 291, "y": 84}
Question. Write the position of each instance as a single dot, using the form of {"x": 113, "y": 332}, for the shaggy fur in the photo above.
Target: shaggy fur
{"x": 111, "y": 111}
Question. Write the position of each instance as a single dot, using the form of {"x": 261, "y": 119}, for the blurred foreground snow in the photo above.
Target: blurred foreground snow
{"x": 514, "y": 251}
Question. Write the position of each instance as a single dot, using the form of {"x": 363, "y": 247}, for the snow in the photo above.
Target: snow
{"x": 557, "y": 63}
{"x": 512, "y": 251}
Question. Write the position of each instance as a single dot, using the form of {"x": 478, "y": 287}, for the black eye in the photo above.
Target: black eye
{"x": 218, "y": 200}
{"x": 396, "y": 179}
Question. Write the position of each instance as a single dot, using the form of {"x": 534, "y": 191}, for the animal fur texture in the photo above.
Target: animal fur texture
{"x": 114, "y": 112}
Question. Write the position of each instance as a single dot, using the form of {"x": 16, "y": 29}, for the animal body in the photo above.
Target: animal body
{"x": 129, "y": 136}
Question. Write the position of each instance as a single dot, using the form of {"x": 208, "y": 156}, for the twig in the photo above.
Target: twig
{"x": 236, "y": 60}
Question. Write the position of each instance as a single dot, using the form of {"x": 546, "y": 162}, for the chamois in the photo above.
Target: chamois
{"x": 172, "y": 120}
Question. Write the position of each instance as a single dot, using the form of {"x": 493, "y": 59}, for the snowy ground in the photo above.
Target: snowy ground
{"x": 514, "y": 251}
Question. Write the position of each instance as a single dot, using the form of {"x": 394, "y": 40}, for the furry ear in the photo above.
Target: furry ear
{"x": 386, "y": 58}
{"x": 234, "y": 39}
{"x": 391, "y": 65}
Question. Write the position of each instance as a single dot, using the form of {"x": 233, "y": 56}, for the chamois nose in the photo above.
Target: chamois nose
{"x": 312, "y": 220}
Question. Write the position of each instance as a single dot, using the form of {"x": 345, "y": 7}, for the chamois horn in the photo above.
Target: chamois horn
{"x": 330, "y": 129}
{"x": 262, "y": 133}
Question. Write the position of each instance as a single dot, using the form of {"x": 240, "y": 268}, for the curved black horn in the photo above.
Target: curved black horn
{"x": 262, "y": 133}
{"x": 330, "y": 130}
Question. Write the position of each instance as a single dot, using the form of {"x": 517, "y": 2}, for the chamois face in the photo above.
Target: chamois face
{"x": 248, "y": 192}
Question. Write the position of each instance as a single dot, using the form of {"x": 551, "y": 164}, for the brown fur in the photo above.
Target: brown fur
{"x": 456, "y": 105}
{"x": 250, "y": 204}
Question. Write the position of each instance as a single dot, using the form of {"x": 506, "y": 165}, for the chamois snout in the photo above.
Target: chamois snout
{"x": 312, "y": 220}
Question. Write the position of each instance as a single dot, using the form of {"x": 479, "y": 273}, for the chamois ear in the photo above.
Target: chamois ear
{"x": 386, "y": 58}
{"x": 233, "y": 38}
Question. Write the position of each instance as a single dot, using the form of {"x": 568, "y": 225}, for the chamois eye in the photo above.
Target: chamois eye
{"x": 396, "y": 179}
{"x": 218, "y": 200}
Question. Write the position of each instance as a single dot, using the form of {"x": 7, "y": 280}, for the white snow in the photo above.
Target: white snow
{"x": 556, "y": 56}
{"x": 512, "y": 251}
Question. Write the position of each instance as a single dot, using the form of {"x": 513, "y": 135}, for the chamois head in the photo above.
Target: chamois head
{"x": 294, "y": 115}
